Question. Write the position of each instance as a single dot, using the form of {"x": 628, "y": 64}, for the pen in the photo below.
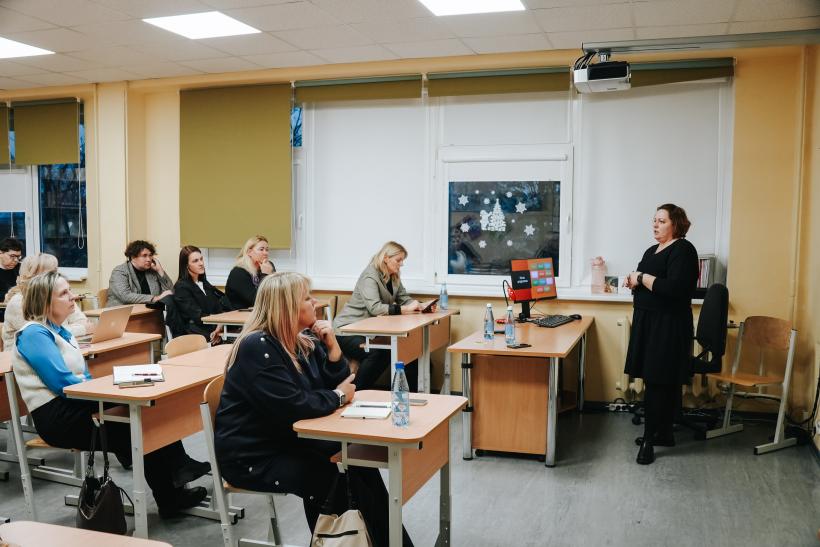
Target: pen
{"x": 370, "y": 406}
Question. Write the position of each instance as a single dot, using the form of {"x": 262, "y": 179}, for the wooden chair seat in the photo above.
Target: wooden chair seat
{"x": 747, "y": 380}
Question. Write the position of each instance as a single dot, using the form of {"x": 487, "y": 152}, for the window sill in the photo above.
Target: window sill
{"x": 75, "y": 275}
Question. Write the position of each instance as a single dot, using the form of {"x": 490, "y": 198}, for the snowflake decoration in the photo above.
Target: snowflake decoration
{"x": 529, "y": 229}
{"x": 492, "y": 192}
{"x": 476, "y": 191}
{"x": 520, "y": 207}
{"x": 463, "y": 200}
{"x": 486, "y": 201}
{"x": 509, "y": 194}
{"x": 509, "y": 243}
{"x": 512, "y": 220}
{"x": 482, "y": 243}
{"x": 465, "y": 227}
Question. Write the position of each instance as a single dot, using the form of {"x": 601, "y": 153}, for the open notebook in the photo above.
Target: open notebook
{"x": 137, "y": 375}
{"x": 367, "y": 410}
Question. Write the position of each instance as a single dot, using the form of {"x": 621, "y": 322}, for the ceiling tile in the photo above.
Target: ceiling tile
{"x": 10, "y": 83}
{"x": 543, "y": 4}
{"x": 231, "y": 4}
{"x": 104, "y": 75}
{"x": 12, "y": 21}
{"x": 682, "y": 31}
{"x": 433, "y": 48}
{"x": 757, "y": 10}
{"x": 355, "y": 54}
{"x": 161, "y": 70}
{"x": 66, "y": 13}
{"x": 780, "y": 25}
{"x": 291, "y": 58}
{"x": 115, "y": 56}
{"x": 248, "y": 44}
{"x": 54, "y": 78}
{"x": 125, "y": 32}
{"x": 324, "y": 37}
{"x": 573, "y": 40}
{"x": 294, "y": 15}
{"x": 60, "y": 63}
{"x": 492, "y": 24}
{"x": 357, "y": 11}
{"x": 682, "y": 12}
{"x": 12, "y": 68}
{"x": 584, "y": 17}
{"x": 58, "y": 39}
{"x": 223, "y": 64}
{"x": 405, "y": 30}
{"x": 504, "y": 44}
{"x": 180, "y": 49}
{"x": 155, "y": 8}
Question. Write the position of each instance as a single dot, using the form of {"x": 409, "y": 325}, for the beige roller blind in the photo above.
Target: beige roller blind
{"x": 4, "y": 134}
{"x": 365, "y": 89}
{"x": 235, "y": 166}
{"x": 485, "y": 83}
{"x": 644, "y": 74}
{"x": 46, "y": 133}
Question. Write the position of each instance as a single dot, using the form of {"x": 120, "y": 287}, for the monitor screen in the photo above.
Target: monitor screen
{"x": 532, "y": 279}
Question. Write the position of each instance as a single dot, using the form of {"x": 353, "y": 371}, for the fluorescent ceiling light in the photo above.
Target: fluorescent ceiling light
{"x": 10, "y": 49}
{"x": 462, "y": 7}
{"x": 209, "y": 24}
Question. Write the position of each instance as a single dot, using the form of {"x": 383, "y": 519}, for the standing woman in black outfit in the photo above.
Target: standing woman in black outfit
{"x": 195, "y": 298}
{"x": 252, "y": 265}
{"x": 660, "y": 344}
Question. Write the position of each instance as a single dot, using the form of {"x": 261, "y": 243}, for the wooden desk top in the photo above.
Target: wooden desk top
{"x": 176, "y": 379}
{"x": 238, "y": 317}
{"x": 214, "y": 357}
{"x": 423, "y": 419}
{"x": 557, "y": 342}
{"x": 124, "y": 341}
{"x": 394, "y": 325}
{"x": 31, "y": 534}
{"x": 138, "y": 309}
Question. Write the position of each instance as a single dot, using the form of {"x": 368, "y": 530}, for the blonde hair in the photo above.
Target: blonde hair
{"x": 37, "y": 297}
{"x": 276, "y": 312}
{"x": 388, "y": 250}
{"x": 30, "y": 266}
{"x": 243, "y": 260}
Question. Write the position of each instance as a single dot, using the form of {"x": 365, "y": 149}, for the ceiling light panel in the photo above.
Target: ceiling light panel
{"x": 464, "y": 7}
{"x": 10, "y": 49}
{"x": 209, "y": 24}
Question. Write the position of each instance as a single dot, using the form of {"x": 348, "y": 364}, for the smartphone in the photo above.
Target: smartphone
{"x": 418, "y": 402}
{"x": 519, "y": 346}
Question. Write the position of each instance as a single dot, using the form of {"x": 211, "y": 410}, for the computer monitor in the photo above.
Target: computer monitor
{"x": 532, "y": 279}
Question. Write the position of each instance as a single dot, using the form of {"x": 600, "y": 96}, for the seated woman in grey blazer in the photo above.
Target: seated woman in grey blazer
{"x": 141, "y": 279}
{"x": 378, "y": 291}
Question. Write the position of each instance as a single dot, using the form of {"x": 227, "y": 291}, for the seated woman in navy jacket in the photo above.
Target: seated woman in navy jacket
{"x": 278, "y": 373}
{"x": 195, "y": 298}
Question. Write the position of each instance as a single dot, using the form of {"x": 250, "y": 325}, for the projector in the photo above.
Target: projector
{"x": 607, "y": 76}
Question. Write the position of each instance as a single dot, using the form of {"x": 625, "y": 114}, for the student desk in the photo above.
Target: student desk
{"x": 132, "y": 348}
{"x": 38, "y": 534}
{"x": 514, "y": 399}
{"x": 213, "y": 358}
{"x": 143, "y": 319}
{"x": 412, "y": 336}
{"x": 237, "y": 318}
{"x": 412, "y": 455}
{"x": 158, "y": 415}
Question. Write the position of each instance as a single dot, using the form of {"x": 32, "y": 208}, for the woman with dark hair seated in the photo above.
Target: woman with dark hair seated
{"x": 194, "y": 297}
{"x": 47, "y": 359}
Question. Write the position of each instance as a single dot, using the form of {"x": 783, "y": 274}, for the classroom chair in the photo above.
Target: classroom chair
{"x": 221, "y": 487}
{"x": 766, "y": 339}
{"x": 102, "y": 297}
{"x": 185, "y": 344}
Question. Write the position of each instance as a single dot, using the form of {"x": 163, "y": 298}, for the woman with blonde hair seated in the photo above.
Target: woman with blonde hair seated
{"x": 76, "y": 323}
{"x": 287, "y": 366}
{"x": 252, "y": 265}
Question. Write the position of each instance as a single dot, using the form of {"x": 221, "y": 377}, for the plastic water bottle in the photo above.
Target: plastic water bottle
{"x": 401, "y": 397}
{"x": 509, "y": 328}
{"x": 442, "y": 297}
{"x": 489, "y": 324}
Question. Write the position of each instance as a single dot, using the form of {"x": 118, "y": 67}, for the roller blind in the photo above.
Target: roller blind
{"x": 644, "y": 74}
{"x": 46, "y": 133}
{"x": 484, "y": 83}
{"x": 4, "y": 135}
{"x": 365, "y": 89}
{"x": 235, "y": 165}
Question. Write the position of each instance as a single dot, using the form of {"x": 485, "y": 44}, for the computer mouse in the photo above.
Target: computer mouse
{"x": 576, "y": 316}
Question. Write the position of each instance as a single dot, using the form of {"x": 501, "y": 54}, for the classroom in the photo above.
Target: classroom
{"x": 331, "y": 127}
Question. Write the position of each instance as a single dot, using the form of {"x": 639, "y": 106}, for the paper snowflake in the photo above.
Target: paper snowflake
{"x": 509, "y": 243}
{"x": 465, "y": 227}
{"x": 520, "y": 207}
{"x": 485, "y": 218}
{"x": 509, "y": 194}
{"x": 482, "y": 243}
{"x": 529, "y": 229}
{"x": 463, "y": 200}
{"x": 486, "y": 201}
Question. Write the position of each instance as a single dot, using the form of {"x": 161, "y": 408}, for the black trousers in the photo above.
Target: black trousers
{"x": 65, "y": 423}
{"x": 373, "y": 363}
{"x": 662, "y": 404}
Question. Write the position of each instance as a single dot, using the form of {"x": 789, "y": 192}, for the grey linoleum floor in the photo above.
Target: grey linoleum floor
{"x": 700, "y": 493}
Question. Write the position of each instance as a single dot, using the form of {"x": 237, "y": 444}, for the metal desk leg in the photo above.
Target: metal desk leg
{"x": 552, "y": 411}
{"x": 467, "y": 413}
{"x": 444, "y": 512}
{"x": 582, "y": 362}
{"x": 138, "y": 469}
{"x": 17, "y": 433}
{"x": 445, "y": 385}
{"x": 394, "y": 356}
{"x": 395, "y": 494}
{"x": 424, "y": 361}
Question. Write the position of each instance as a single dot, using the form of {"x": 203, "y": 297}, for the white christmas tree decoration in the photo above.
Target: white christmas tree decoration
{"x": 529, "y": 229}
{"x": 465, "y": 227}
{"x": 497, "y": 222}
{"x": 485, "y": 219}
{"x": 520, "y": 207}
{"x": 482, "y": 243}
{"x": 462, "y": 200}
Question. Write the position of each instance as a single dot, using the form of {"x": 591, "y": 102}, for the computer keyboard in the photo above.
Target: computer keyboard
{"x": 552, "y": 321}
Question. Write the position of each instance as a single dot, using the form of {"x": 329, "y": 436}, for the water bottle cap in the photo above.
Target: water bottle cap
{"x": 509, "y": 308}
{"x": 399, "y": 365}
{"x": 489, "y": 305}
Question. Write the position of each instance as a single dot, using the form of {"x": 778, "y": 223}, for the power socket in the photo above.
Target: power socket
{"x": 618, "y": 407}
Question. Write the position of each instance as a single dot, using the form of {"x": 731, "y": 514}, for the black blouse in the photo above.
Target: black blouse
{"x": 241, "y": 288}
{"x": 676, "y": 271}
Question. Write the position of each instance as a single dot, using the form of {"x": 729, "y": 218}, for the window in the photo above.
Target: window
{"x": 13, "y": 224}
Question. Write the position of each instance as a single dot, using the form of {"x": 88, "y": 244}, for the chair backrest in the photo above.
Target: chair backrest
{"x": 212, "y": 393}
{"x": 765, "y": 345}
{"x": 711, "y": 331}
{"x": 102, "y": 297}
{"x": 185, "y": 344}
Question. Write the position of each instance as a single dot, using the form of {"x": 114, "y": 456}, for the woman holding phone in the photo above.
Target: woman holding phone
{"x": 141, "y": 279}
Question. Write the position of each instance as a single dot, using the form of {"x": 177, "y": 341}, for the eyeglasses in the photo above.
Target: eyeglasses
{"x": 14, "y": 258}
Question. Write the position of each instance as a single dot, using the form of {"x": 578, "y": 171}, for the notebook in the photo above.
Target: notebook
{"x": 377, "y": 410}
{"x": 137, "y": 375}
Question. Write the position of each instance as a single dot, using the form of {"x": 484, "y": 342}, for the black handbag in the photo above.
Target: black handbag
{"x": 100, "y": 507}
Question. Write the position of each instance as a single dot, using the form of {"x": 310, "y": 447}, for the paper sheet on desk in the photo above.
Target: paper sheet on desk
{"x": 133, "y": 375}
{"x": 377, "y": 410}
